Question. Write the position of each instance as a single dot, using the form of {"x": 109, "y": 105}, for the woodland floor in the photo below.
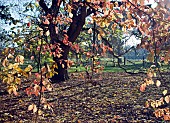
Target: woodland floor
{"x": 113, "y": 98}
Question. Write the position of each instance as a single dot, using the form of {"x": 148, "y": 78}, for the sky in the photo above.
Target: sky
{"x": 131, "y": 41}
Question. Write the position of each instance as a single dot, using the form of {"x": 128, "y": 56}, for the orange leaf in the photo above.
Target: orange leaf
{"x": 43, "y": 89}
{"x": 46, "y": 21}
{"x": 30, "y": 107}
{"x": 167, "y": 117}
{"x": 143, "y": 87}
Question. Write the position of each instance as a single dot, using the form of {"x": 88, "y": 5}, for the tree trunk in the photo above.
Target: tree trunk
{"x": 62, "y": 72}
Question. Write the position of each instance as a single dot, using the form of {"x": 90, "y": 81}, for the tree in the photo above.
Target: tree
{"x": 61, "y": 22}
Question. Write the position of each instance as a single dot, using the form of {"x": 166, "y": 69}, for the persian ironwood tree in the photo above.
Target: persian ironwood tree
{"x": 62, "y": 21}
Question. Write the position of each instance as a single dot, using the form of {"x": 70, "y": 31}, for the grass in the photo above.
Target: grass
{"x": 129, "y": 67}
{"x": 108, "y": 66}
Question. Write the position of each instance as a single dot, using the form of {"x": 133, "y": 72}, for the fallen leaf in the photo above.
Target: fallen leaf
{"x": 158, "y": 83}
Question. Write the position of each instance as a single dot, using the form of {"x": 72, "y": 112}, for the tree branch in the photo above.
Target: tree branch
{"x": 55, "y": 6}
{"x": 77, "y": 24}
{"x": 43, "y": 6}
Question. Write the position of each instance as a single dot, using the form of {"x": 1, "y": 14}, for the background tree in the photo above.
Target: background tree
{"x": 61, "y": 22}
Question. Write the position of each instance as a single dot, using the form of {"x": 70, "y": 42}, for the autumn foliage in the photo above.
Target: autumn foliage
{"x": 54, "y": 32}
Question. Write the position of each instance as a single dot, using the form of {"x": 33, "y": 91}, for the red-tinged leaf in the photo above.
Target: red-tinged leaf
{"x": 167, "y": 117}
{"x": 56, "y": 30}
{"x": 30, "y": 107}
{"x": 43, "y": 89}
{"x": 150, "y": 74}
{"x": 36, "y": 82}
{"x": 19, "y": 59}
{"x": 90, "y": 31}
{"x": 15, "y": 91}
{"x": 141, "y": 2}
{"x": 37, "y": 75}
{"x": 28, "y": 24}
{"x": 28, "y": 91}
{"x": 36, "y": 92}
{"x": 46, "y": 22}
{"x": 43, "y": 69}
{"x": 43, "y": 100}
{"x": 143, "y": 87}
{"x": 146, "y": 104}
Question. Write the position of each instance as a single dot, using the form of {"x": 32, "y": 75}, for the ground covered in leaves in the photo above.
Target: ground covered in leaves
{"x": 109, "y": 97}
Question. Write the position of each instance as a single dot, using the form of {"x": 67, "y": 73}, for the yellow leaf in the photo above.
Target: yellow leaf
{"x": 69, "y": 8}
{"x": 25, "y": 74}
{"x": 158, "y": 83}
{"x": 16, "y": 67}
{"x": 120, "y": 15}
{"x": 10, "y": 90}
{"x": 10, "y": 66}
{"x": 124, "y": 28}
{"x": 99, "y": 37}
{"x": 167, "y": 99}
{"x": 36, "y": 4}
{"x": 70, "y": 15}
{"x": 62, "y": 65}
{"x": 153, "y": 104}
{"x": 28, "y": 68}
{"x": 146, "y": 104}
{"x": 164, "y": 92}
{"x": 35, "y": 109}
{"x": 49, "y": 87}
{"x": 47, "y": 33}
{"x": 15, "y": 91}
{"x": 40, "y": 112}
{"x": 45, "y": 106}
{"x": 150, "y": 57}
